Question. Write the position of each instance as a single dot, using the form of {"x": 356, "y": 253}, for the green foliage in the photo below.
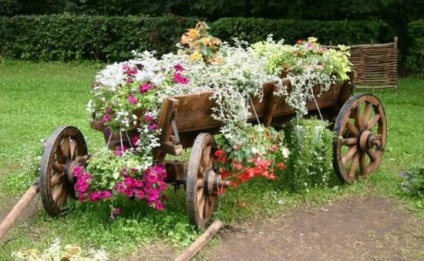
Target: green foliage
{"x": 70, "y": 37}
{"x": 330, "y": 32}
{"x": 414, "y": 182}
{"x": 415, "y": 59}
{"x": 311, "y": 153}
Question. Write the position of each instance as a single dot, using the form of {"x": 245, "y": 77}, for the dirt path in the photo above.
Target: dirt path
{"x": 372, "y": 228}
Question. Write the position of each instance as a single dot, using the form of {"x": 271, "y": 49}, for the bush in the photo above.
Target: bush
{"x": 415, "y": 59}
{"x": 70, "y": 37}
{"x": 414, "y": 182}
{"x": 327, "y": 32}
{"x": 311, "y": 155}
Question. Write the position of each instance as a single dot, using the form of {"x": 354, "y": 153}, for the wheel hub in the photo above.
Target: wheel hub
{"x": 365, "y": 140}
{"x": 212, "y": 182}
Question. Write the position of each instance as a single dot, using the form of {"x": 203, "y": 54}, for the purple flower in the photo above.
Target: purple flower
{"x": 178, "y": 68}
{"x": 139, "y": 66}
{"x": 159, "y": 206}
{"x": 152, "y": 126}
{"x": 132, "y": 99}
{"x": 116, "y": 211}
{"x": 106, "y": 118}
{"x": 145, "y": 87}
{"x": 134, "y": 140}
{"x": 180, "y": 79}
{"x": 148, "y": 117}
{"x": 109, "y": 110}
{"x": 139, "y": 194}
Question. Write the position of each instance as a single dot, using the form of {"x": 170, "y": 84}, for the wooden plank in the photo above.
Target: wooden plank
{"x": 194, "y": 248}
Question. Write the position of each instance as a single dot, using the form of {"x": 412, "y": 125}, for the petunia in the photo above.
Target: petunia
{"x": 180, "y": 79}
{"x": 148, "y": 117}
{"x": 145, "y": 87}
{"x": 152, "y": 126}
{"x": 132, "y": 99}
{"x": 106, "y": 118}
{"x": 178, "y": 68}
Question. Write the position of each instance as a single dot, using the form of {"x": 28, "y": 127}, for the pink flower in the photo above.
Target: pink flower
{"x": 134, "y": 140}
{"x": 148, "y": 117}
{"x": 178, "y": 68}
{"x": 77, "y": 171}
{"x": 116, "y": 211}
{"x": 108, "y": 110}
{"x": 180, "y": 79}
{"x": 152, "y": 126}
{"x": 129, "y": 80}
{"x": 139, "y": 194}
{"x": 145, "y": 87}
{"x": 106, "y": 118}
{"x": 159, "y": 206}
{"x": 132, "y": 99}
{"x": 120, "y": 150}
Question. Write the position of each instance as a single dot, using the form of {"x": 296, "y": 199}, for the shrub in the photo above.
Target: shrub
{"x": 414, "y": 182}
{"x": 311, "y": 154}
{"x": 415, "y": 59}
{"x": 327, "y": 32}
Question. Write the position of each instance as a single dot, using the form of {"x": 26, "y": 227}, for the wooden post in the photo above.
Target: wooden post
{"x": 17, "y": 210}
{"x": 194, "y": 248}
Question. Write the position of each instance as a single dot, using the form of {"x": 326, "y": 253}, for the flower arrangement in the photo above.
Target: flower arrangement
{"x": 306, "y": 64}
{"x": 127, "y": 96}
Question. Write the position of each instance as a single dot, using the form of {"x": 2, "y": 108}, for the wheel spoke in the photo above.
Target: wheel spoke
{"x": 56, "y": 179}
{"x": 366, "y": 114}
{"x": 57, "y": 190}
{"x": 353, "y": 165}
{"x": 363, "y": 164}
{"x": 206, "y": 156}
{"x": 65, "y": 147}
{"x": 357, "y": 118}
{"x": 349, "y": 141}
{"x": 201, "y": 203}
{"x": 199, "y": 183}
{"x": 73, "y": 147}
{"x": 377, "y": 140}
{"x": 352, "y": 129}
{"x": 349, "y": 154}
{"x": 372, "y": 155}
{"x": 371, "y": 123}
{"x": 58, "y": 167}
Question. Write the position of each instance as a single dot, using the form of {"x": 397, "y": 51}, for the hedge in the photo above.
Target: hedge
{"x": 327, "y": 32}
{"x": 69, "y": 37}
{"x": 415, "y": 58}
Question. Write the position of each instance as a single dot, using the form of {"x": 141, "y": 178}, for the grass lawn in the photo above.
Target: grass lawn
{"x": 36, "y": 98}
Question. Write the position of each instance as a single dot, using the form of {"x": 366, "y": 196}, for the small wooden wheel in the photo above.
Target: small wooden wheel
{"x": 202, "y": 182}
{"x": 361, "y": 132}
{"x": 64, "y": 149}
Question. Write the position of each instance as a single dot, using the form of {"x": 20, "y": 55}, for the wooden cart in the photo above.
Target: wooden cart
{"x": 359, "y": 124}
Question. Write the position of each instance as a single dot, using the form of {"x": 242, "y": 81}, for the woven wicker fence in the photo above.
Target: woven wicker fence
{"x": 375, "y": 65}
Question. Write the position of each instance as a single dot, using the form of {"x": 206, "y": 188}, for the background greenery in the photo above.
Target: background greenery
{"x": 36, "y": 98}
{"x": 113, "y": 39}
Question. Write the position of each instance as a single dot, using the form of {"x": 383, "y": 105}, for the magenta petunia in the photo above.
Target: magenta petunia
{"x": 180, "y": 79}
{"x": 148, "y": 117}
{"x": 132, "y": 99}
{"x": 145, "y": 87}
{"x": 178, "y": 68}
{"x": 152, "y": 126}
{"x": 106, "y": 118}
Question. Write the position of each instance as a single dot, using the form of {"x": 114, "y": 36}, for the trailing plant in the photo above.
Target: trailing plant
{"x": 306, "y": 65}
{"x": 311, "y": 155}
{"x": 414, "y": 182}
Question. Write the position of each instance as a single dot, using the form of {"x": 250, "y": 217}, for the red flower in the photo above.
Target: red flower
{"x": 281, "y": 166}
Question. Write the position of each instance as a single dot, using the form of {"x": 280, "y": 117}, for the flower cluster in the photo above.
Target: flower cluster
{"x": 127, "y": 96}
{"x": 261, "y": 155}
{"x": 200, "y": 45}
{"x": 129, "y": 178}
{"x": 306, "y": 65}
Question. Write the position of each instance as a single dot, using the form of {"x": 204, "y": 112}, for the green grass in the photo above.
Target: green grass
{"x": 37, "y": 98}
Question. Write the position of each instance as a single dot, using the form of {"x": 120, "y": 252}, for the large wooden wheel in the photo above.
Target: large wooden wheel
{"x": 202, "y": 182}
{"x": 361, "y": 132}
{"x": 64, "y": 149}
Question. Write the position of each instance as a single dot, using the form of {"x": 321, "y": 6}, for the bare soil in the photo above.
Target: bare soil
{"x": 371, "y": 228}
{"x": 354, "y": 228}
